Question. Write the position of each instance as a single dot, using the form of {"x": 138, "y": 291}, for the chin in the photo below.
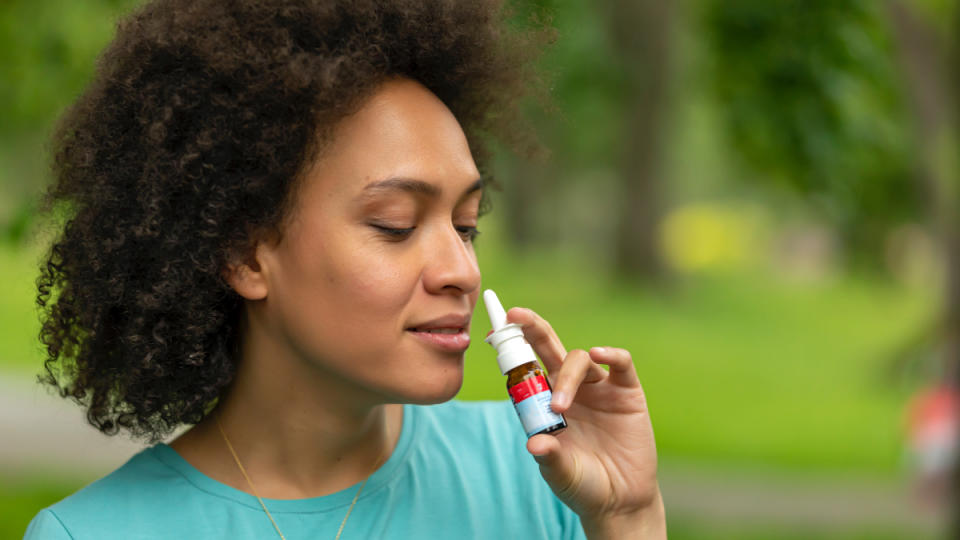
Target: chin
{"x": 433, "y": 390}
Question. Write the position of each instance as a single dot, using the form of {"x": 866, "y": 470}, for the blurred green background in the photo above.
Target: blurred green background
{"x": 756, "y": 198}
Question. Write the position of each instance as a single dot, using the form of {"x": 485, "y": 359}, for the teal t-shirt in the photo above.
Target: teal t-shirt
{"x": 459, "y": 470}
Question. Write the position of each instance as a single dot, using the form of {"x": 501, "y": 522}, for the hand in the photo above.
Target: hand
{"x": 604, "y": 464}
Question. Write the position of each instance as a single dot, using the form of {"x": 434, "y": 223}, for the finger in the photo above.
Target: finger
{"x": 562, "y": 470}
{"x": 622, "y": 370}
{"x": 540, "y": 335}
{"x": 577, "y": 368}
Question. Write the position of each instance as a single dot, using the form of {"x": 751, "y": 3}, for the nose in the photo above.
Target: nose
{"x": 451, "y": 265}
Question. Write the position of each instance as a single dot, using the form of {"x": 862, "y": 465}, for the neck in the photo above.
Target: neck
{"x": 298, "y": 433}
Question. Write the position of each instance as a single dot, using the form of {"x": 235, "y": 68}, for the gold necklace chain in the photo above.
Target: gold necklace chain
{"x": 257, "y": 495}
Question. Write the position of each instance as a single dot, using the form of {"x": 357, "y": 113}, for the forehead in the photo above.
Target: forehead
{"x": 402, "y": 131}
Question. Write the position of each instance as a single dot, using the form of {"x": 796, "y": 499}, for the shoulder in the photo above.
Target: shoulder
{"x": 46, "y": 526}
{"x": 112, "y": 502}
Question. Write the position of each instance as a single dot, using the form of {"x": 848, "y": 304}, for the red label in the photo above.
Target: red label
{"x": 527, "y": 388}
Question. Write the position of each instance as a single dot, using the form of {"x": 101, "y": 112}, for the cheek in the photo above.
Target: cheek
{"x": 376, "y": 285}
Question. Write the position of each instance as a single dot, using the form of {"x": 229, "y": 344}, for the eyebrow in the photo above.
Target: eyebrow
{"x": 412, "y": 185}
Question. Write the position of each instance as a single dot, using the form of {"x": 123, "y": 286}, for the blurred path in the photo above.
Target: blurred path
{"x": 803, "y": 501}
{"x": 44, "y": 432}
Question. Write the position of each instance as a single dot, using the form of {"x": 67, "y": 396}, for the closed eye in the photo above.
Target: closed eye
{"x": 469, "y": 233}
{"x": 394, "y": 233}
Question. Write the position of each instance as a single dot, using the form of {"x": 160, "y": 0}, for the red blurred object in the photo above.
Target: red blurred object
{"x": 933, "y": 428}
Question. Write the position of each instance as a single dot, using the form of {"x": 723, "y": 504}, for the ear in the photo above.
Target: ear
{"x": 246, "y": 275}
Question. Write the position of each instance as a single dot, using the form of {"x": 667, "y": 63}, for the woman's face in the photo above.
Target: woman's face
{"x": 377, "y": 249}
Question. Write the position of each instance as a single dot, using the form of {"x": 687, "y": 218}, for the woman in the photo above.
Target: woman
{"x": 270, "y": 214}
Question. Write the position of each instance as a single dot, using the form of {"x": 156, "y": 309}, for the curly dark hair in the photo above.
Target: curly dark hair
{"x": 188, "y": 145}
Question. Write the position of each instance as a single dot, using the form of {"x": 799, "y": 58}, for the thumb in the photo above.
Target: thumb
{"x": 560, "y": 468}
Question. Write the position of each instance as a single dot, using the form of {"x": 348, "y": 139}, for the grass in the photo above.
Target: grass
{"x": 741, "y": 369}
{"x": 684, "y": 529}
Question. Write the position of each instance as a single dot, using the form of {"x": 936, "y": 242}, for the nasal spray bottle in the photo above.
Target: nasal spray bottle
{"x": 526, "y": 380}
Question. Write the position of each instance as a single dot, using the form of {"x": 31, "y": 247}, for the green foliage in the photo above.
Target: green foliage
{"x": 20, "y": 348}
{"x": 811, "y": 99}
{"x": 940, "y": 14}
{"x": 47, "y": 54}
{"x": 587, "y": 85}
{"x": 21, "y": 497}
{"x": 47, "y": 50}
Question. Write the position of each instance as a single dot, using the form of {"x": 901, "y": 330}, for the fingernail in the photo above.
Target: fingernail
{"x": 560, "y": 400}
{"x": 599, "y": 350}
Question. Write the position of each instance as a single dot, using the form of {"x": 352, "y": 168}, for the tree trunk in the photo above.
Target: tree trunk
{"x": 932, "y": 80}
{"x": 524, "y": 194}
{"x": 641, "y": 30}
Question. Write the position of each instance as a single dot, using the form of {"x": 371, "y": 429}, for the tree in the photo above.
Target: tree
{"x": 641, "y": 31}
{"x": 47, "y": 51}
{"x": 611, "y": 68}
{"x": 812, "y": 106}
{"x": 930, "y": 61}
{"x": 813, "y": 101}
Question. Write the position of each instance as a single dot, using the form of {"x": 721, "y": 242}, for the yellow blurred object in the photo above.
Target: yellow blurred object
{"x": 705, "y": 236}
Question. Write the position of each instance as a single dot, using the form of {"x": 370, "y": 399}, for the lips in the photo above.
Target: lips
{"x": 452, "y": 320}
{"x": 448, "y": 333}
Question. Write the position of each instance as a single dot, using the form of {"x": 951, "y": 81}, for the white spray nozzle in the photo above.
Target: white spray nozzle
{"x": 507, "y": 339}
{"x": 498, "y": 317}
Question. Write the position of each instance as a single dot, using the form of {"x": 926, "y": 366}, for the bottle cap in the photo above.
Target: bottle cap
{"x": 512, "y": 349}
